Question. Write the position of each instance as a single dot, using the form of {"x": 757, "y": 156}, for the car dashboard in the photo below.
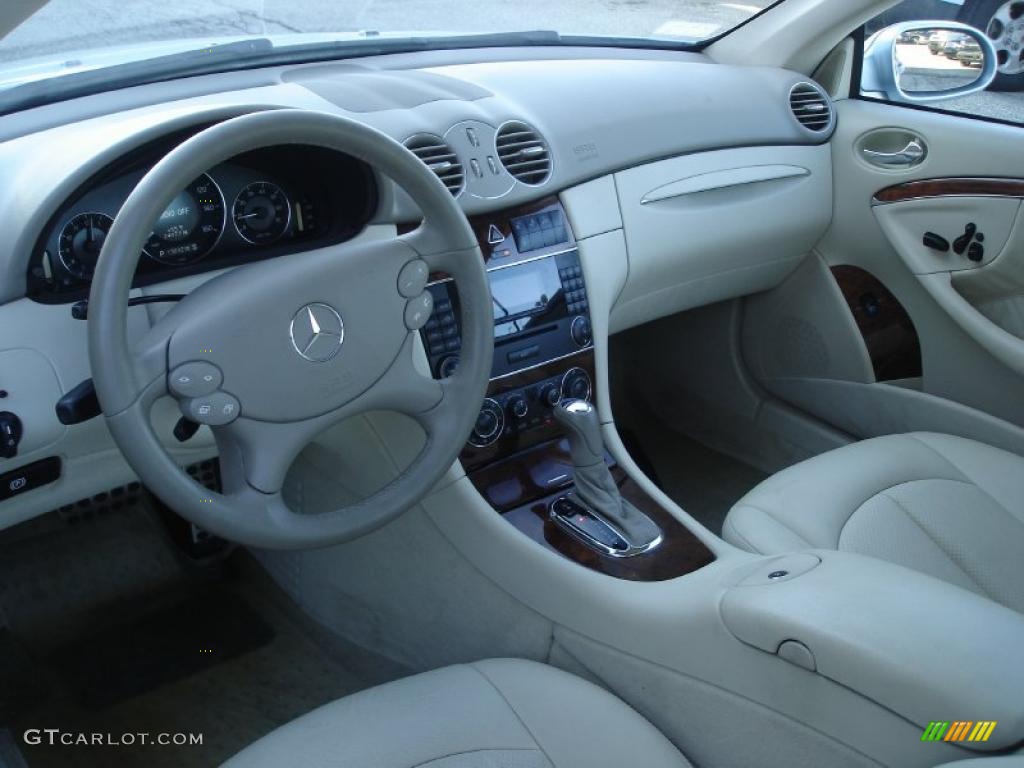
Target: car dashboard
{"x": 600, "y": 183}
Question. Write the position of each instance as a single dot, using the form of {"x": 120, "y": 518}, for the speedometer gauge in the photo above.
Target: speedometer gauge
{"x": 80, "y": 242}
{"x": 190, "y": 226}
{"x": 261, "y": 212}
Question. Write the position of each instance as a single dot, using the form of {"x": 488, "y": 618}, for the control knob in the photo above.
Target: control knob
{"x": 576, "y": 385}
{"x": 580, "y": 331}
{"x": 448, "y": 366}
{"x": 550, "y": 394}
{"x": 517, "y": 406}
{"x": 10, "y": 434}
{"x": 489, "y": 424}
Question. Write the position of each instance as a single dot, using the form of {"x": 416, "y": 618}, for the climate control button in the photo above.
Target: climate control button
{"x": 550, "y": 394}
{"x": 489, "y": 424}
{"x": 576, "y": 385}
{"x": 517, "y": 406}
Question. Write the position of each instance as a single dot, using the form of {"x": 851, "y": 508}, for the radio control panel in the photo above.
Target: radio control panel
{"x": 541, "y": 313}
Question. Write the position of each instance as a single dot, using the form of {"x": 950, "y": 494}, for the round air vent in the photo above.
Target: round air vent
{"x": 811, "y": 107}
{"x": 439, "y": 158}
{"x": 523, "y": 153}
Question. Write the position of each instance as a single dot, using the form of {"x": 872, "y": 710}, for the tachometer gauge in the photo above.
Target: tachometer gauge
{"x": 80, "y": 242}
{"x": 190, "y": 226}
{"x": 261, "y": 212}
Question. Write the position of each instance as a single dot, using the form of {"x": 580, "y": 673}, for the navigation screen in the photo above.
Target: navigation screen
{"x": 521, "y": 292}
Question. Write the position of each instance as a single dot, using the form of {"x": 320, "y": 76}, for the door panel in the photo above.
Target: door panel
{"x": 974, "y": 269}
{"x": 884, "y": 239}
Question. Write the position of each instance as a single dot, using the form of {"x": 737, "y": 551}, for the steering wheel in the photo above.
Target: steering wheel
{"x": 272, "y": 353}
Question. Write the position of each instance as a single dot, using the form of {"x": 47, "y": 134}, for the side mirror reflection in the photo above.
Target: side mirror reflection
{"x": 927, "y": 61}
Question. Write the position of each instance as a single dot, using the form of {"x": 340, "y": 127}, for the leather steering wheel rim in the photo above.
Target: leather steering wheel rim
{"x": 239, "y": 322}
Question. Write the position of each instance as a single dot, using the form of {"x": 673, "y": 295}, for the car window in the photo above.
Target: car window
{"x": 71, "y": 48}
{"x": 950, "y": 57}
{"x": 71, "y": 34}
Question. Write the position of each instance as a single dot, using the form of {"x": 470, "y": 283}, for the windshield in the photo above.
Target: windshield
{"x": 70, "y": 48}
{"x": 81, "y": 27}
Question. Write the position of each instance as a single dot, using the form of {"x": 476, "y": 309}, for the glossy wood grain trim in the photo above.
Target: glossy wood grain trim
{"x": 886, "y": 328}
{"x": 952, "y": 186}
{"x": 516, "y": 489}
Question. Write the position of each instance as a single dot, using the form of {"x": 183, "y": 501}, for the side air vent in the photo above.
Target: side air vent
{"x": 523, "y": 153}
{"x": 811, "y": 107}
{"x": 440, "y": 158}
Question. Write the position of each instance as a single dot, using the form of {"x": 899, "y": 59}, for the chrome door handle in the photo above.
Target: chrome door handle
{"x": 910, "y": 155}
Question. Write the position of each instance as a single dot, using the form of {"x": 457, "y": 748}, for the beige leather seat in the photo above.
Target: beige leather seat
{"x": 943, "y": 505}
{"x": 502, "y": 713}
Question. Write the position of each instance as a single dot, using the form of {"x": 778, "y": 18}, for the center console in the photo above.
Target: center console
{"x": 543, "y": 343}
{"x": 518, "y": 456}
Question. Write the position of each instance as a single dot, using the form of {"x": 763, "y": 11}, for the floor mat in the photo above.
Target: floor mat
{"x": 156, "y": 647}
{"x": 699, "y": 479}
{"x": 224, "y": 656}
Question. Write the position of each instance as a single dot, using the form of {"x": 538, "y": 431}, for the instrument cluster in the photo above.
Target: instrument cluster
{"x": 262, "y": 204}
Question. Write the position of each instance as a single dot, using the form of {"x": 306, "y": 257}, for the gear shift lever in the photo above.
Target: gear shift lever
{"x": 594, "y": 482}
{"x": 595, "y": 486}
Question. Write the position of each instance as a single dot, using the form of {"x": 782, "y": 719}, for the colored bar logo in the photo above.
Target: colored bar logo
{"x": 958, "y": 730}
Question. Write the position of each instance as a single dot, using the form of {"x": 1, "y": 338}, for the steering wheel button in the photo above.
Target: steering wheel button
{"x": 214, "y": 410}
{"x": 417, "y": 311}
{"x": 195, "y": 379}
{"x": 413, "y": 278}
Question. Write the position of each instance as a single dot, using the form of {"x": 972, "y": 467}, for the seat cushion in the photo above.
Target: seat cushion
{"x": 501, "y": 713}
{"x": 943, "y": 505}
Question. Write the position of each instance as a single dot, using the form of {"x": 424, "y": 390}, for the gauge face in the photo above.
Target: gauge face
{"x": 80, "y": 242}
{"x": 261, "y": 212}
{"x": 190, "y": 226}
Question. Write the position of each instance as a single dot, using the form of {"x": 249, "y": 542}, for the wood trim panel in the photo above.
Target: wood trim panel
{"x": 888, "y": 332}
{"x": 523, "y": 485}
{"x": 959, "y": 186}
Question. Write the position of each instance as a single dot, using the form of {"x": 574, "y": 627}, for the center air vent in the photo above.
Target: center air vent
{"x": 523, "y": 153}
{"x": 439, "y": 158}
{"x": 811, "y": 107}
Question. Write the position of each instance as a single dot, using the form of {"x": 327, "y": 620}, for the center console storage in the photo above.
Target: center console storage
{"x": 518, "y": 457}
{"x": 873, "y": 627}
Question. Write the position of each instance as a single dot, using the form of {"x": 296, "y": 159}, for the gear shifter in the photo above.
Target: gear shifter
{"x": 594, "y": 482}
{"x": 596, "y": 489}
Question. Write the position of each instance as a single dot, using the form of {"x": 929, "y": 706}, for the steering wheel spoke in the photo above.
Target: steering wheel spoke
{"x": 407, "y": 386}
{"x": 256, "y": 455}
{"x": 149, "y": 356}
{"x": 436, "y": 246}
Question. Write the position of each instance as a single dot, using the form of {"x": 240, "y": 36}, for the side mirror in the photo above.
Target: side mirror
{"x": 923, "y": 61}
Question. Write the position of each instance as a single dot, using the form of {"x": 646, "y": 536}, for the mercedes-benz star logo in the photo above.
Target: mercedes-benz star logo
{"x": 317, "y": 332}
